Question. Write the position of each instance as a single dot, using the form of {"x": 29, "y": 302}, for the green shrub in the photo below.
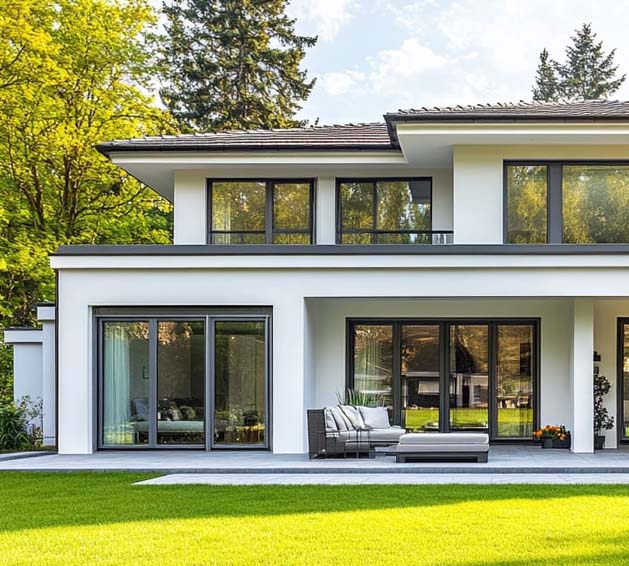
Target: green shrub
{"x": 16, "y": 431}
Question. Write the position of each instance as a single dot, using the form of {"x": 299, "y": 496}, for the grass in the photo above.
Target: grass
{"x": 102, "y": 519}
{"x": 510, "y": 421}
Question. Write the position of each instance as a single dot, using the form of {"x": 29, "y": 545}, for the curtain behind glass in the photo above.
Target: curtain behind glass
{"x": 125, "y": 385}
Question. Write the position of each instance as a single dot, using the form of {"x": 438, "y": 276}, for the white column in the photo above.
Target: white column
{"x": 288, "y": 379}
{"x": 190, "y": 210}
{"x": 325, "y": 210}
{"x": 46, "y": 315}
{"x": 581, "y": 376}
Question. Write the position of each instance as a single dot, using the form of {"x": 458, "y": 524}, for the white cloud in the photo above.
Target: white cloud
{"x": 327, "y": 17}
{"x": 392, "y": 67}
{"x": 337, "y": 83}
{"x": 410, "y": 53}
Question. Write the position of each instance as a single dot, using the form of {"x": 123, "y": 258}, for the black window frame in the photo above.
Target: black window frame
{"x": 374, "y": 232}
{"x": 621, "y": 322}
{"x": 269, "y": 211}
{"x": 153, "y": 316}
{"x": 444, "y": 326}
{"x": 554, "y": 194}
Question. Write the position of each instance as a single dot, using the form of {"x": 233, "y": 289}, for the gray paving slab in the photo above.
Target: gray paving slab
{"x": 20, "y": 455}
{"x": 385, "y": 479}
{"x": 502, "y": 460}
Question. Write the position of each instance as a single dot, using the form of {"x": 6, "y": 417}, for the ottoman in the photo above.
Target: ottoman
{"x": 442, "y": 446}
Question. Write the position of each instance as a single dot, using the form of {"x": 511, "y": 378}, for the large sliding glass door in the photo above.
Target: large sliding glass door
{"x": 449, "y": 375}
{"x": 421, "y": 376}
{"x": 125, "y": 385}
{"x": 515, "y": 380}
{"x": 468, "y": 378}
{"x": 181, "y": 382}
{"x": 240, "y": 387}
{"x": 166, "y": 381}
{"x": 623, "y": 379}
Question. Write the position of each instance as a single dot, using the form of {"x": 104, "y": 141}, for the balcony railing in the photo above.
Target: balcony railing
{"x": 396, "y": 237}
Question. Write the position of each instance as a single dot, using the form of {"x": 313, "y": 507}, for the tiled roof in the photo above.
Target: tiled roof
{"x": 375, "y": 136}
{"x": 585, "y": 110}
{"x": 343, "y": 137}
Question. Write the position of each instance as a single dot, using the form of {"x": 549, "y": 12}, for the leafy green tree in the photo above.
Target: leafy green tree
{"x": 232, "y": 64}
{"x": 588, "y": 73}
{"x": 72, "y": 73}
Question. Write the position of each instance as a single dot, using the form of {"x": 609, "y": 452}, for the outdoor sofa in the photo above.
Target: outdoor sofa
{"x": 349, "y": 431}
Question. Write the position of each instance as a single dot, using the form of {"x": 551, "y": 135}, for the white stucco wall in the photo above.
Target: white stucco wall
{"x": 478, "y": 183}
{"x": 190, "y": 192}
{"x": 329, "y": 326}
{"x": 308, "y": 337}
{"x": 190, "y": 208}
{"x": 27, "y": 364}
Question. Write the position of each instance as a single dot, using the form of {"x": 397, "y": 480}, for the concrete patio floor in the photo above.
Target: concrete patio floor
{"x": 502, "y": 460}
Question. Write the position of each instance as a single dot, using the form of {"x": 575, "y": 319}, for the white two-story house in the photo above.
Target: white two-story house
{"x": 462, "y": 266}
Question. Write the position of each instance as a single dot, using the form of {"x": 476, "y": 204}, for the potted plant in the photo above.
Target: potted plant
{"x": 602, "y": 420}
{"x": 553, "y": 436}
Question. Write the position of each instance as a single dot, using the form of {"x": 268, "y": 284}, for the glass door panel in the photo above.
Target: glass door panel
{"x": 420, "y": 377}
{"x": 469, "y": 377}
{"x": 514, "y": 380}
{"x": 239, "y": 383}
{"x": 181, "y": 382}
{"x": 125, "y": 386}
{"x": 373, "y": 364}
{"x": 625, "y": 380}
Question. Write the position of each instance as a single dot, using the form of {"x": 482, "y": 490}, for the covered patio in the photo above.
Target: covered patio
{"x": 503, "y": 365}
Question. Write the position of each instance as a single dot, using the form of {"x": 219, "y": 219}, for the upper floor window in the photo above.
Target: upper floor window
{"x": 567, "y": 202}
{"x": 260, "y": 211}
{"x": 384, "y": 211}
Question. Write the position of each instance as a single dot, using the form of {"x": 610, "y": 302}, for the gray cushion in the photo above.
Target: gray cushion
{"x": 340, "y": 419}
{"x": 391, "y": 434}
{"x": 353, "y": 415}
{"x": 330, "y": 423}
{"x": 375, "y": 417}
{"x": 436, "y": 439}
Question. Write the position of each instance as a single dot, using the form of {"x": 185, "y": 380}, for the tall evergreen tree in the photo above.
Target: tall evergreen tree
{"x": 546, "y": 84}
{"x": 232, "y": 64}
{"x": 587, "y": 74}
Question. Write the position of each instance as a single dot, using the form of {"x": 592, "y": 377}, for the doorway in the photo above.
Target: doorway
{"x": 183, "y": 381}
{"x": 449, "y": 375}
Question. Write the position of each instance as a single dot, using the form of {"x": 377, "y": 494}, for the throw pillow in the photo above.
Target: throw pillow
{"x": 375, "y": 417}
{"x": 330, "y": 423}
{"x": 341, "y": 421}
{"x": 353, "y": 415}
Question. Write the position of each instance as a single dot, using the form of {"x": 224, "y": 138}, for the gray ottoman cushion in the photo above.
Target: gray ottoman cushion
{"x": 444, "y": 440}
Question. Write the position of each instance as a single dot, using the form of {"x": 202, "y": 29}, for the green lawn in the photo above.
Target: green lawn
{"x": 101, "y": 519}
{"x": 510, "y": 421}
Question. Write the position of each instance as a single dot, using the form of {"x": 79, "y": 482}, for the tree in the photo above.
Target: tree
{"x": 72, "y": 73}
{"x": 232, "y": 64}
{"x": 588, "y": 73}
{"x": 546, "y": 84}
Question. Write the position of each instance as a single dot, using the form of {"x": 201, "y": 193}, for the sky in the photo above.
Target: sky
{"x": 376, "y": 56}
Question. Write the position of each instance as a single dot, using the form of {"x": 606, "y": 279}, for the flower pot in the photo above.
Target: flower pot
{"x": 547, "y": 443}
{"x": 556, "y": 443}
{"x": 565, "y": 443}
{"x": 599, "y": 442}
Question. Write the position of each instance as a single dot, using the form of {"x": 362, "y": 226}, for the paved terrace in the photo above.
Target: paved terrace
{"x": 502, "y": 460}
